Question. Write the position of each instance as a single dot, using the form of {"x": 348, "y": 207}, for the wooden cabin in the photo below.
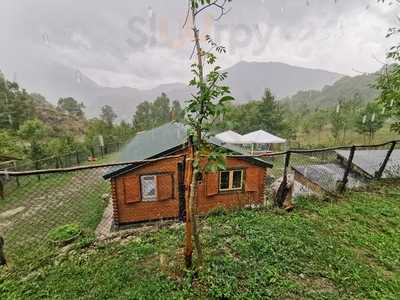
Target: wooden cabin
{"x": 155, "y": 190}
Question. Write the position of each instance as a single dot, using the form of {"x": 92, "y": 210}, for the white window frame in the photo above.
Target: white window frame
{"x": 147, "y": 198}
{"x": 230, "y": 183}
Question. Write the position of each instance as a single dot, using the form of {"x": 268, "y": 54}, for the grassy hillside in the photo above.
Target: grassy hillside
{"x": 58, "y": 120}
{"x": 17, "y": 106}
{"x": 352, "y": 138}
{"x": 346, "y": 87}
{"x": 341, "y": 250}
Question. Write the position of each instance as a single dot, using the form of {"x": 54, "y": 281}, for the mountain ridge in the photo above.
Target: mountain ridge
{"x": 247, "y": 80}
{"x": 345, "y": 88}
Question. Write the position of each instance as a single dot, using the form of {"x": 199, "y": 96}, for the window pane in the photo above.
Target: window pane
{"x": 237, "y": 180}
{"x": 224, "y": 181}
{"x": 148, "y": 187}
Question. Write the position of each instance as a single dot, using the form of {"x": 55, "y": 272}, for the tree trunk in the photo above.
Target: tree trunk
{"x": 194, "y": 216}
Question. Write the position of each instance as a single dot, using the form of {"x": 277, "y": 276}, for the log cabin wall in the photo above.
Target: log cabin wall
{"x": 132, "y": 208}
{"x": 252, "y": 193}
{"x": 129, "y": 207}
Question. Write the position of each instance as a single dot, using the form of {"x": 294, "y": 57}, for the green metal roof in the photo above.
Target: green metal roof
{"x": 153, "y": 142}
{"x": 163, "y": 140}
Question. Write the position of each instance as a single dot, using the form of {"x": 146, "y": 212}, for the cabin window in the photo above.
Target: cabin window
{"x": 231, "y": 180}
{"x": 149, "y": 187}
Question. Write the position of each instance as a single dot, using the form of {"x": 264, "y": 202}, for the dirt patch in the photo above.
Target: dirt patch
{"x": 315, "y": 283}
{"x": 126, "y": 235}
{"x": 373, "y": 262}
{"x": 11, "y": 212}
{"x": 4, "y": 225}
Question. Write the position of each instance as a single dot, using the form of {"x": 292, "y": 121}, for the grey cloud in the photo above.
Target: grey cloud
{"x": 94, "y": 36}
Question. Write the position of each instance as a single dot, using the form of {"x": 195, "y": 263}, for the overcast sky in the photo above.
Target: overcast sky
{"x": 142, "y": 43}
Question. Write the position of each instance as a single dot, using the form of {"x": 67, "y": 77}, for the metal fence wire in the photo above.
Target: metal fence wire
{"x": 67, "y": 160}
{"x": 332, "y": 171}
{"x": 36, "y": 207}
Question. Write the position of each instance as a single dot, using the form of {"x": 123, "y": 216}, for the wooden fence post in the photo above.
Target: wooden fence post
{"x": 283, "y": 190}
{"x": 2, "y": 196}
{"x": 379, "y": 173}
{"x": 3, "y": 260}
{"x": 343, "y": 184}
{"x": 77, "y": 158}
{"x": 287, "y": 163}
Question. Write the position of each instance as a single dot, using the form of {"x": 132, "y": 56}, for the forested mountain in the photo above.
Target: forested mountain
{"x": 344, "y": 88}
{"x": 248, "y": 81}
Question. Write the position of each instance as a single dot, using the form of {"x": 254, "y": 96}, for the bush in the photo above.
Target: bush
{"x": 64, "y": 234}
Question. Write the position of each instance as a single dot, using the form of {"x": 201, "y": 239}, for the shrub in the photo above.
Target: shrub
{"x": 64, "y": 234}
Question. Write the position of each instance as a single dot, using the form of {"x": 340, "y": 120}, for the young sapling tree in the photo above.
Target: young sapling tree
{"x": 205, "y": 107}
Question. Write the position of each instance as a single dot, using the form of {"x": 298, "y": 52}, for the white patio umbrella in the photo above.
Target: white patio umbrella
{"x": 261, "y": 137}
{"x": 230, "y": 137}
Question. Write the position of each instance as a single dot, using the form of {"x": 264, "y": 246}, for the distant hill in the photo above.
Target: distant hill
{"x": 58, "y": 120}
{"x": 17, "y": 106}
{"x": 345, "y": 87}
{"x": 247, "y": 80}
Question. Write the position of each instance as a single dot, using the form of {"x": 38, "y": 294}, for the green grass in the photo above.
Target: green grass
{"x": 56, "y": 200}
{"x": 325, "y": 138}
{"x": 340, "y": 250}
{"x": 15, "y": 193}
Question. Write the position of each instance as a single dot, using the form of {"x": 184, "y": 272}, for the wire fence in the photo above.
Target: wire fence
{"x": 334, "y": 170}
{"x": 88, "y": 154}
{"x": 43, "y": 209}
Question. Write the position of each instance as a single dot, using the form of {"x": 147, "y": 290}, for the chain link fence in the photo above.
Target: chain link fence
{"x": 332, "y": 171}
{"x": 76, "y": 158}
{"x": 42, "y": 208}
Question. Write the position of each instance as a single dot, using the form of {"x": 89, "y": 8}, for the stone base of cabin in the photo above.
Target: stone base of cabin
{"x": 105, "y": 226}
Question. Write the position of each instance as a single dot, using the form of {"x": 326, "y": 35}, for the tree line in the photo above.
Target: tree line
{"x": 24, "y": 133}
{"x": 344, "y": 116}
{"x": 27, "y": 130}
